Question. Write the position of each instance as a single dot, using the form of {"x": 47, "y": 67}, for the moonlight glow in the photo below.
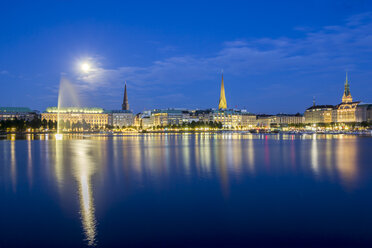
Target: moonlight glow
{"x": 85, "y": 67}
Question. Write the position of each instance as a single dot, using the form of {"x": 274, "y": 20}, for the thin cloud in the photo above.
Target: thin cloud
{"x": 329, "y": 49}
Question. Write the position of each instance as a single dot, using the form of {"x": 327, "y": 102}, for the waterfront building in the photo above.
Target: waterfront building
{"x": 124, "y": 117}
{"x": 346, "y": 110}
{"x": 228, "y": 118}
{"x": 363, "y": 112}
{"x": 144, "y": 120}
{"x": 285, "y": 119}
{"x": 120, "y": 118}
{"x": 147, "y": 122}
{"x": 248, "y": 120}
{"x": 319, "y": 114}
{"x": 222, "y": 103}
{"x": 265, "y": 121}
{"x": 19, "y": 113}
{"x": 165, "y": 117}
{"x": 95, "y": 117}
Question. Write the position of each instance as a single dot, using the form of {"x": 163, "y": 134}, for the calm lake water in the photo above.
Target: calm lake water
{"x": 187, "y": 190}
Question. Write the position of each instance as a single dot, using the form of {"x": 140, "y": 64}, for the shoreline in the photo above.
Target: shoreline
{"x": 114, "y": 133}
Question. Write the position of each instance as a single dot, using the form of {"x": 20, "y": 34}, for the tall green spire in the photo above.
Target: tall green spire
{"x": 222, "y": 104}
{"x": 347, "y": 95}
{"x": 347, "y": 87}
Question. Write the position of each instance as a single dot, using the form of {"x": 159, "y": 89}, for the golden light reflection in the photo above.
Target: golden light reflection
{"x": 314, "y": 155}
{"x": 186, "y": 154}
{"x": 250, "y": 155}
{"x": 84, "y": 168}
{"x": 347, "y": 161}
{"x": 29, "y": 161}
{"x": 13, "y": 163}
{"x": 87, "y": 209}
{"x": 59, "y": 163}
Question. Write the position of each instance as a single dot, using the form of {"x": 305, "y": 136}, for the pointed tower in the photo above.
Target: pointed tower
{"x": 347, "y": 96}
{"x": 222, "y": 104}
{"x": 125, "y": 105}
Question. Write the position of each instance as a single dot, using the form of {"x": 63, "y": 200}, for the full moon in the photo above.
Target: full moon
{"x": 85, "y": 67}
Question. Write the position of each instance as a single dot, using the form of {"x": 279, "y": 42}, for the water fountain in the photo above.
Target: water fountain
{"x": 67, "y": 97}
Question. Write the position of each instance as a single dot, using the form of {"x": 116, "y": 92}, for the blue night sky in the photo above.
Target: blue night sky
{"x": 275, "y": 55}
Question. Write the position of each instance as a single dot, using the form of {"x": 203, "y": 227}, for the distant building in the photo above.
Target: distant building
{"x": 346, "y": 111}
{"x": 248, "y": 120}
{"x": 120, "y": 118}
{"x": 289, "y": 119}
{"x": 144, "y": 120}
{"x": 228, "y": 118}
{"x": 319, "y": 114}
{"x": 124, "y": 117}
{"x": 265, "y": 121}
{"x": 363, "y": 112}
{"x": 96, "y": 117}
{"x": 19, "y": 113}
{"x": 164, "y": 117}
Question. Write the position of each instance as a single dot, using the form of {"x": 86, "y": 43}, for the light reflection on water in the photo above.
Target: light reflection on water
{"x": 88, "y": 165}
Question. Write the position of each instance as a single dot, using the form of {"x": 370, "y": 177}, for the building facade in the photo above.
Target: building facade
{"x": 19, "y": 113}
{"x": 363, "y": 112}
{"x": 95, "y": 117}
{"x": 120, "y": 118}
{"x": 228, "y": 118}
{"x": 319, "y": 114}
{"x": 346, "y": 111}
{"x": 287, "y": 119}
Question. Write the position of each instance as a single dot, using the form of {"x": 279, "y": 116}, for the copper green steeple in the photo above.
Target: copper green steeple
{"x": 347, "y": 95}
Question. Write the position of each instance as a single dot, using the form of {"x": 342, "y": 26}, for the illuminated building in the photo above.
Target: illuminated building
{"x": 144, "y": 120}
{"x": 124, "y": 117}
{"x": 346, "y": 111}
{"x": 363, "y": 112}
{"x": 19, "y": 113}
{"x": 289, "y": 119}
{"x": 319, "y": 114}
{"x": 222, "y": 104}
{"x": 96, "y": 117}
{"x": 265, "y": 121}
{"x": 120, "y": 118}
{"x": 248, "y": 119}
{"x": 164, "y": 117}
{"x": 147, "y": 122}
{"x": 228, "y": 118}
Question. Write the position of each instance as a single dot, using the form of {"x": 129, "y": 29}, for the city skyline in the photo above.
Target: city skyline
{"x": 270, "y": 67}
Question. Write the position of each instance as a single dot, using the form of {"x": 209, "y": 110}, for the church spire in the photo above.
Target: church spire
{"x": 125, "y": 105}
{"x": 222, "y": 104}
{"x": 347, "y": 95}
